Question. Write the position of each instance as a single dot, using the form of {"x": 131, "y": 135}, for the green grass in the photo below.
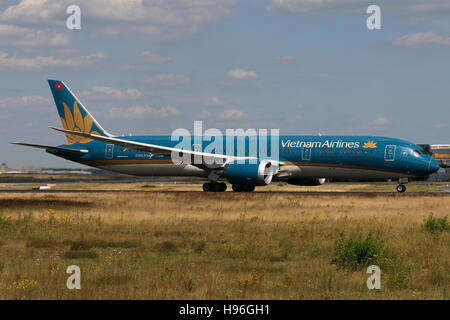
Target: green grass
{"x": 148, "y": 186}
{"x": 79, "y": 254}
{"x": 356, "y": 252}
{"x": 436, "y": 225}
{"x": 5, "y": 222}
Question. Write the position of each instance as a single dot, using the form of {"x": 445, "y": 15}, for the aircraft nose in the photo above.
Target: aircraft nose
{"x": 433, "y": 166}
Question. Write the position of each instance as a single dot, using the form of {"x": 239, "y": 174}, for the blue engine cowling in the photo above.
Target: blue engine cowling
{"x": 257, "y": 174}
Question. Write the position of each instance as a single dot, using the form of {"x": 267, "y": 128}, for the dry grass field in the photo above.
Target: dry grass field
{"x": 197, "y": 186}
{"x": 218, "y": 246}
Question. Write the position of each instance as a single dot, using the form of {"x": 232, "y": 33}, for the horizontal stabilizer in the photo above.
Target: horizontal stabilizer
{"x": 49, "y": 148}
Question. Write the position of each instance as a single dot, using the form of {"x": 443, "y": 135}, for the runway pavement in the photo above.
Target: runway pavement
{"x": 315, "y": 193}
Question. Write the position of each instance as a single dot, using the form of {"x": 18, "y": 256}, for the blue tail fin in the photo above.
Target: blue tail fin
{"x": 74, "y": 116}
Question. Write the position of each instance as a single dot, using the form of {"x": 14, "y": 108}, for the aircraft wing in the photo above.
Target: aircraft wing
{"x": 210, "y": 158}
{"x": 47, "y": 148}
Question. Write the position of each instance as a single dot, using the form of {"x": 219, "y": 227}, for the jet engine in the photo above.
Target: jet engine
{"x": 257, "y": 174}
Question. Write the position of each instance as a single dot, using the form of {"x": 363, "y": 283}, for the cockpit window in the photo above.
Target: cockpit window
{"x": 417, "y": 153}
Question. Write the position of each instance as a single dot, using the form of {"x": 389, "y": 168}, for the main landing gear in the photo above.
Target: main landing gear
{"x": 222, "y": 187}
{"x": 214, "y": 187}
{"x": 243, "y": 188}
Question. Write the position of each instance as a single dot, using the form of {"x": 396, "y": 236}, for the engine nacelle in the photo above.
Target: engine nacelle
{"x": 257, "y": 174}
{"x": 306, "y": 182}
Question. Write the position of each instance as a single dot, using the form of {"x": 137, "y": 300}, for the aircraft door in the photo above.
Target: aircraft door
{"x": 389, "y": 153}
{"x": 306, "y": 154}
{"x": 109, "y": 151}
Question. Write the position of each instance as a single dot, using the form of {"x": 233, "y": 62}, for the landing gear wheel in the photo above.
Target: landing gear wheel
{"x": 249, "y": 188}
{"x": 236, "y": 187}
{"x": 219, "y": 187}
{"x": 214, "y": 187}
{"x": 243, "y": 188}
{"x": 222, "y": 187}
{"x": 401, "y": 188}
{"x": 207, "y": 187}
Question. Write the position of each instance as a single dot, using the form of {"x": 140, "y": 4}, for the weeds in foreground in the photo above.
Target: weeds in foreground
{"x": 354, "y": 252}
{"x": 168, "y": 246}
{"x": 436, "y": 225}
{"x": 72, "y": 254}
{"x": 157, "y": 251}
{"x": 21, "y": 220}
{"x": 5, "y": 222}
{"x": 88, "y": 244}
{"x": 397, "y": 275}
{"x": 82, "y": 244}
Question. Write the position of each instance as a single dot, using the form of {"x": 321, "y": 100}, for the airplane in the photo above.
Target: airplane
{"x": 300, "y": 160}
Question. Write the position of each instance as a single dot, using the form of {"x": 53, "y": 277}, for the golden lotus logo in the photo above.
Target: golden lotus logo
{"x": 370, "y": 144}
{"x": 76, "y": 122}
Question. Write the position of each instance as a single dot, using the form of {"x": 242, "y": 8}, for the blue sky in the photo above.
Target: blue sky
{"x": 149, "y": 67}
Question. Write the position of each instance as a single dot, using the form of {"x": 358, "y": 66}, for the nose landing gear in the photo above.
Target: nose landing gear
{"x": 401, "y": 187}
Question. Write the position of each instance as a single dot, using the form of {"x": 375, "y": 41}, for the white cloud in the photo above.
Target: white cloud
{"x": 380, "y": 121}
{"x": 232, "y": 114}
{"x": 41, "y": 62}
{"x": 33, "y": 11}
{"x": 213, "y": 101}
{"x": 285, "y": 58}
{"x": 167, "y": 79}
{"x": 203, "y": 115}
{"x": 416, "y": 8}
{"x": 429, "y": 8}
{"x": 151, "y": 57}
{"x": 150, "y": 19}
{"x": 101, "y": 93}
{"x": 303, "y": 6}
{"x": 144, "y": 111}
{"x": 421, "y": 39}
{"x": 440, "y": 126}
{"x": 11, "y": 35}
{"x": 127, "y": 67}
{"x": 133, "y": 93}
{"x": 24, "y": 102}
{"x": 241, "y": 74}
